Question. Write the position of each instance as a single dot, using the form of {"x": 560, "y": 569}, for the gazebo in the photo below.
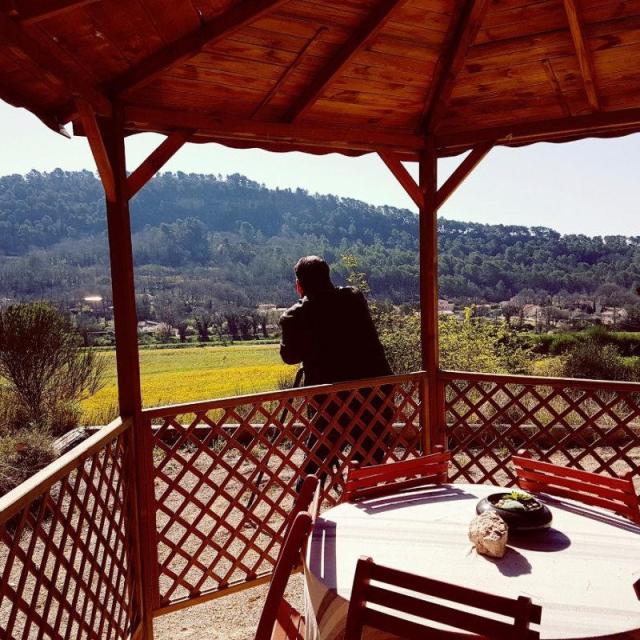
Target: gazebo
{"x": 170, "y": 506}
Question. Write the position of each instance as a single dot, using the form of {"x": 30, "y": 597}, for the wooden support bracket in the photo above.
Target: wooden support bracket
{"x": 156, "y": 160}
{"x": 461, "y": 173}
{"x": 403, "y": 177}
{"x": 98, "y": 148}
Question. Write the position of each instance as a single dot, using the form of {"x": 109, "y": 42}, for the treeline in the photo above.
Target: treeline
{"x": 233, "y": 240}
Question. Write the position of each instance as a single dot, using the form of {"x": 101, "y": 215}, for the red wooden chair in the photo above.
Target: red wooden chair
{"x": 616, "y": 494}
{"x": 308, "y": 499}
{"x": 279, "y": 620}
{"x": 636, "y": 588}
{"x": 380, "y": 479}
{"x": 474, "y": 616}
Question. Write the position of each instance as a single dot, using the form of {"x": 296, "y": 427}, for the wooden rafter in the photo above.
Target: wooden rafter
{"x": 25, "y": 46}
{"x": 365, "y": 32}
{"x": 156, "y": 160}
{"x": 98, "y": 148}
{"x": 583, "y": 53}
{"x": 300, "y": 134}
{"x": 288, "y": 71}
{"x": 403, "y": 177}
{"x": 603, "y": 123}
{"x": 553, "y": 81}
{"x": 29, "y": 11}
{"x": 239, "y": 15}
{"x": 450, "y": 63}
{"x": 462, "y": 172}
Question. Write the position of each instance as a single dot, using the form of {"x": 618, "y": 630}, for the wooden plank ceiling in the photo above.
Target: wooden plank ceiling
{"x": 331, "y": 75}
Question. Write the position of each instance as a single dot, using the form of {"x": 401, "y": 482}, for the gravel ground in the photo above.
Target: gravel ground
{"x": 234, "y": 617}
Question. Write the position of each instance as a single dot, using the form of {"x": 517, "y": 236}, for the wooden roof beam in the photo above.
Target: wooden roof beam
{"x": 98, "y": 148}
{"x": 583, "y": 53}
{"x": 462, "y": 172}
{"x": 364, "y": 33}
{"x": 298, "y": 135}
{"x": 30, "y": 11}
{"x": 235, "y": 18}
{"x": 403, "y": 177}
{"x": 156, "y": 160}
{"x": 43, "y": 58}
{"x": 460, "y": 38}
{"x": 603, "y": 123}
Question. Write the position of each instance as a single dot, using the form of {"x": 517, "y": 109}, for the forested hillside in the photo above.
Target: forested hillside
{"x": 233, "y": 240}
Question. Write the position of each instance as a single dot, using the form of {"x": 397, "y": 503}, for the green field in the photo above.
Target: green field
{"x": 182, "y": 375}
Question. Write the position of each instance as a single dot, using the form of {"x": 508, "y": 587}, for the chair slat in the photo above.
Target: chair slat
{"x": 424, "y": 610}
{"x": 627, "y": 496}
{"x": 288, "y": 559}
{"x": 615, "y": 494}
{"x": 463, "y": 620}
{"x": 483, "y": 600}
{"x": 367, "y": 481}
{"x": 569, "y": 472}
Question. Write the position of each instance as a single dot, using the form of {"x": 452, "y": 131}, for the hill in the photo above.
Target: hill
{"x": 233, "y": 240}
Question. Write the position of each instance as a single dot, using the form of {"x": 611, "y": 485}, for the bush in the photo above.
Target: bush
{"x": 594, "y": 360}
{"x": 46, "y": 374}
{"x": 23, "y": 454}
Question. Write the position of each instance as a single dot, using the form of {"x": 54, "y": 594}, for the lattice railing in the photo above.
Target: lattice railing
{"x": 586, "y": 424}
{"x": 66, "y": 567}
{"x": 225, "y": 472}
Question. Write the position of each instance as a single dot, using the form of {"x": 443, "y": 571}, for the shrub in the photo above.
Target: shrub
{"x": 46, "y": 374}
{"x": 592, "y": 359}
{"x": 23, "y": 454}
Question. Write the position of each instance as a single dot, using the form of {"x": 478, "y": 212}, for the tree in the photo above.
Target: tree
{"x": 202, "y": 320}
{"x": 45, "y": 371}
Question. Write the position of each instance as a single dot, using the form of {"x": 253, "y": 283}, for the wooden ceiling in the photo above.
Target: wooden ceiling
{"x": 352, "y": 76}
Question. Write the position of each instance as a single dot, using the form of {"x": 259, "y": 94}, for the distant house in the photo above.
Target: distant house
{"x": 445, "y": 307}
{"x": 148, "y": 326}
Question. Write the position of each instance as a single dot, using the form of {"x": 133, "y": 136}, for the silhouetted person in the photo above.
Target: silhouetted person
{"x": 331, "y": 332}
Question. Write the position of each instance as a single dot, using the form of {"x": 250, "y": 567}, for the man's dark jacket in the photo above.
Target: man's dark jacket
{"x": 334, "y": 337}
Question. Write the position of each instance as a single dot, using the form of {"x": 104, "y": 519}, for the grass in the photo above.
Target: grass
{"x": 170, "y": 376}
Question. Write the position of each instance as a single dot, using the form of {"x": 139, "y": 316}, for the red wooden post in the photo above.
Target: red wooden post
{"x": 127, "y": 364}
{"x": 429, "y": 287}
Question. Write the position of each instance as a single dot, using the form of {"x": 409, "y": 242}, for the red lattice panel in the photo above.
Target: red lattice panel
{"x": 65, "y": 565}
{"x": 584, "y": 424}
{"x": 225, "y": 472}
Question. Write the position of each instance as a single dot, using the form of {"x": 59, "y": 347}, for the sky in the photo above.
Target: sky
{"x": 589, "y": 187}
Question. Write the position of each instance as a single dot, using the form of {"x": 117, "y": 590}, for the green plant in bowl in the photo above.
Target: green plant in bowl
{"x": 517, "y": 500}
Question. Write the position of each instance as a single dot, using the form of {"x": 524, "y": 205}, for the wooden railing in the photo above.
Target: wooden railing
{"x": 585, "y": 424}
{"x": 225, "y": 472}
{"x": 67, "y": 546}
{"x": 218, "y": 481}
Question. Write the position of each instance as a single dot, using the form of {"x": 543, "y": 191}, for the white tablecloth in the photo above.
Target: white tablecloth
{"x": 581, "y": 570}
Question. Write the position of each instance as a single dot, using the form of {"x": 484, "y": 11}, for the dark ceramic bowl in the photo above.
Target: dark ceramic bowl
{"x": 531, "y": 520}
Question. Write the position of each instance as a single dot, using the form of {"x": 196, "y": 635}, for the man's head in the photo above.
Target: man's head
{"x": 312, "y": 274}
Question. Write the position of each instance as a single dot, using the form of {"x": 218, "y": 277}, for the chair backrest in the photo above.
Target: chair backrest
{"x": 416, "y": 603}
{"x": 288, "y": 559}
{"x": 380, "y": 479}
{"x": 636, "y": 588}
{"x": 616, "y": 494}
{"x": 308, "y": 496}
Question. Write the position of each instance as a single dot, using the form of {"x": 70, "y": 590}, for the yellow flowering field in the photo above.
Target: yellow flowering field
{"x": 198, "y": 373}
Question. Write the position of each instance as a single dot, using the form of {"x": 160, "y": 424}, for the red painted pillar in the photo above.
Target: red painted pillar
{"x": 142, "y": 517}
{"x": 428, "y": 233}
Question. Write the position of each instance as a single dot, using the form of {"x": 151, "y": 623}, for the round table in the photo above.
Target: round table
{"x": 581, "y": 570}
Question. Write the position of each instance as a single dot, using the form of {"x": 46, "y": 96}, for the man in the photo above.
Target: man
{"x": 331, "y": 332}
